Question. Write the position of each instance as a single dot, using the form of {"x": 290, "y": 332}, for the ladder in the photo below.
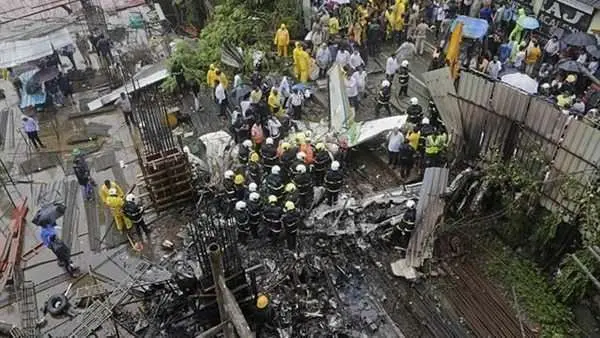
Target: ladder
{"x": 91, "y": 291}
{"x": 100, "y": 311}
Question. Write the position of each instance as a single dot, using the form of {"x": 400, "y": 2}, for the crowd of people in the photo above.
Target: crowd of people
{"x": 273, "y": 185}
{"x": 559, "y": 64}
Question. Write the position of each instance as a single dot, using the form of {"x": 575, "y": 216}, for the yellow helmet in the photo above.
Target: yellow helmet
{"x": 320, "y": 146}
{"x": 212, "y": 66}
{"x": 272, "y": 199}
{"x": 239, "y": 179}
{"x": 262, "y": 301}
{"x": 289, "y": 206}
{"x": 290, "y": 187}
{"x": 285, "y": 146}
{"x": 297, "y": 44}
{"x": 254, "y": 157}
{"x": 282, "y": 26}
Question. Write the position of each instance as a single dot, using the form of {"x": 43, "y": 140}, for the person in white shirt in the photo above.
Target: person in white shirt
{"x": 221, "y": 98}
{"x": 356, "y": 60}
{"x": 494, "y": 68}
{"x": 295, "y": 102}
{"x": 274, "y": 126}
{"x": 284, "y": 90}
{"x": 342, "y": 58}
{"x": 440, "y": 15}
{"x": 323, "y": 60}
{"x": 391, "y": 66}
{"x": 361, "y": 78}
{"x": 31, "y": 128}
{"x": 519, "y": 58}
{"x": 551, "y": 49}
{"x": 125, "y": 105}
{"x": 352, "y": 91}
{"x": 395, "y": 140}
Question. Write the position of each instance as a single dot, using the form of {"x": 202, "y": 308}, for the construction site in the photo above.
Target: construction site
{"x": 194, "y": 276}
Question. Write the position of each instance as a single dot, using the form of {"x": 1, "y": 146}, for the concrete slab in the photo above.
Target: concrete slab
{"x": 40, "y": 162}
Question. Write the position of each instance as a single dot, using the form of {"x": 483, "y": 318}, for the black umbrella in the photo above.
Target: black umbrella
{"x": 48, "y": 214}
{"x": 45, "y": 74}
{"x": 593, "y": 50}
{"x": 570, "y": 66}
{"x": 579, "y": 39}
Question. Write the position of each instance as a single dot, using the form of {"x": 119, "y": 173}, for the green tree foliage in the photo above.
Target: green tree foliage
{"x": 534, "y": 293}
{"x": 241, "y": 23}
{"x": 535, "y": 230}
{"x": 572, "y": 284}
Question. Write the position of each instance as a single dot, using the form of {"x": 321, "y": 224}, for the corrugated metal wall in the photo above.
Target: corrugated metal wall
{"x": 430, "y": 209}
{"x": 496, "y": 116}
{"x": 441, "y": 88}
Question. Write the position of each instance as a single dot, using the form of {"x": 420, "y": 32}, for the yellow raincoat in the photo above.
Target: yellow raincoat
{"x": 274, "y": 101}
{"x": 211, "y": 76}
{"x": 397, "y": 16}
{"x": 334, "y": 25}
{"x": 303, "y": 65}
{"x": 223, "y": 80}
{"x": 115, "y": 203}
{"x": 282, "y": 40}
{"x": 295, "y": 54}
{"x": 104, "y": 191}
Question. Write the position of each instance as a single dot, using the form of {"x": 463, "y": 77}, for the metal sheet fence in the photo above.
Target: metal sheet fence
{"x": 442, "y": 91}
{"x": 498, "y": 117}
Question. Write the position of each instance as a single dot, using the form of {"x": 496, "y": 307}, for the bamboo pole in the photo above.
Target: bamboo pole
{"x": 586, "y": 271}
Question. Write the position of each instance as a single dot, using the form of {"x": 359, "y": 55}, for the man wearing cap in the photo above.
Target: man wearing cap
{"x": 383, "y": 98}
{"x": 403, "y": 76}
{"x": 135, "y": 214}
{"x": 263, "y": 313}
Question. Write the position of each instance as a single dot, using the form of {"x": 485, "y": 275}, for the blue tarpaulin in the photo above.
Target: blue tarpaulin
{"x": 473, "y": 28}
{"x": 29, "y": 100}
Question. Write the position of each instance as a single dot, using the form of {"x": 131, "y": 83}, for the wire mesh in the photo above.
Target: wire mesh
{"x": 210, "y": 227}
{"x": 150, "y": 107}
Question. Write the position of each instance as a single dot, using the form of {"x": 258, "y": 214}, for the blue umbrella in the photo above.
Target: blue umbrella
{"x": 300, "y": 86}
{"x": 473, "y": 28}
{"x": 528, "y": 22}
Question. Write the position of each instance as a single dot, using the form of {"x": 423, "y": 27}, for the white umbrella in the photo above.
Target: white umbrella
{"x": 341, "y": 2}
{"x": 521, "y": 81}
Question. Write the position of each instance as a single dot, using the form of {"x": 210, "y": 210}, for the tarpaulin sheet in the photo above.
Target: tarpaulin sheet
{"x": 29, "y": 100}
{"x": 473, "y": 28}
{"x": 13, "y": 53}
